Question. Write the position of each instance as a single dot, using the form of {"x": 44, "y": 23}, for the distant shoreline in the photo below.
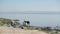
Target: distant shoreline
{"x": 31, "y": 12}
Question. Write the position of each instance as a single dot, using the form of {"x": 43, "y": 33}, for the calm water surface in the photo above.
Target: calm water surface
{"x": 36, "y": 19}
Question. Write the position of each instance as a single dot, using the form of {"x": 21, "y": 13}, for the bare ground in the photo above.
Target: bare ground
{"x": 10, "y": 30}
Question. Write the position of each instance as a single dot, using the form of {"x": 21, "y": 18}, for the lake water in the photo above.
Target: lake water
{"x": 36, "y": 19}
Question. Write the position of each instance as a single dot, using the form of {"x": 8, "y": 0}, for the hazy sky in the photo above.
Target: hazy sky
{"x": 32, "y": 5}
{"x": 29, "y": 5}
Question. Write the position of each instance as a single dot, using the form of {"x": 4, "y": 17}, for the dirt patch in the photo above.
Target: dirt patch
{"x": 10, "y": 30}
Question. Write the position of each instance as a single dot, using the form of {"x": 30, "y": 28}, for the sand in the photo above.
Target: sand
{"x": 10, "y": 30}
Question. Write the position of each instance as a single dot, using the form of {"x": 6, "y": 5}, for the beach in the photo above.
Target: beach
{"x": 11, "y": 30}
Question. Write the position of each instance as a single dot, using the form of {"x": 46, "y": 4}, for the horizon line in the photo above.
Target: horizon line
{"x": 31, "y": 12}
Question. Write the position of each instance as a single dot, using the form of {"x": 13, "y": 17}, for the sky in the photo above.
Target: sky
{"x": 34, "y": 6}
{"x": 29, "y": 5}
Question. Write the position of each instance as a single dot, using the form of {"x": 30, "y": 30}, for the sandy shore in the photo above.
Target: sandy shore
{"x": 10, "y": 30}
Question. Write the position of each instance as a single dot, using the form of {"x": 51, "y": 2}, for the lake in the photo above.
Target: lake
{"x": 36, "y": 19}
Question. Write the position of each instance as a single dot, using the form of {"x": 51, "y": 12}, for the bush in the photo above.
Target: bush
{"x": 46, "y": 29}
